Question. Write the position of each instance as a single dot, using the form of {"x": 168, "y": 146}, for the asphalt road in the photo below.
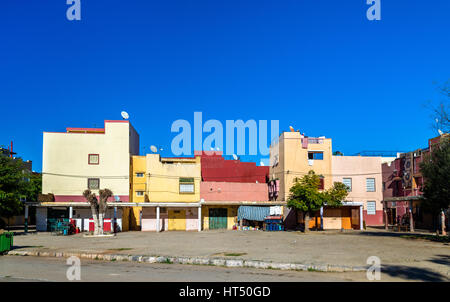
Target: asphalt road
{"x": 19, "y": 268}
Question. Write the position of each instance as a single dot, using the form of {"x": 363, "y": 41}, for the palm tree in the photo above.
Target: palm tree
{"x": 98, "y": 207}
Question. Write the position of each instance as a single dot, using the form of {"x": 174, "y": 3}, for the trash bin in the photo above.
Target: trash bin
{"x": 6, "y": 242}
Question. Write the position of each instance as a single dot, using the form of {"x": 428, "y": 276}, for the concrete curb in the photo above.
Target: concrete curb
{"x": 197, "y": 261}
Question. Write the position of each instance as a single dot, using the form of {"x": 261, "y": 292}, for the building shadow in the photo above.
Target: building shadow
{"x": 413, "y": 273}
{"x": 406, "y": 235}
{"x": 441, "y": 259}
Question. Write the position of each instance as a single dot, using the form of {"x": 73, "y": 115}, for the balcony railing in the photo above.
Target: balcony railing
{"x": 314, "y": 140}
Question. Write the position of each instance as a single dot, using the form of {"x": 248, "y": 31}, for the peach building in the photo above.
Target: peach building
{"x": 293, "y": 156}
{"x": 363, "y": 177}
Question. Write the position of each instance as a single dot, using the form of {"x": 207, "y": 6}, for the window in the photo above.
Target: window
{"x": 348, "y": 183}
{"x": 187, "y": 185}
{"x": 371, "y": 208}
{"x": 139, "y": 174}
{"x": 370, "y": 184}
{"x": 315, "y": 155}
{"x": 139, "y": 193}
{"x": 93, "y": 159}
{"x": 93, "y": 183}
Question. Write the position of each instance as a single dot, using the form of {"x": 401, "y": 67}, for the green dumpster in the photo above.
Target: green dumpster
{"x": 6, "y": 242}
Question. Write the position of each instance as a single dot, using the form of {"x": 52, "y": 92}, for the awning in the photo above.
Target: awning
{"x": 253, "y": 213}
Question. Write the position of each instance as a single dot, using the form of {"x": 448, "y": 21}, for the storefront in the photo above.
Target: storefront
{"x": 80, "y": 212}
{"x": 171, "y": 216}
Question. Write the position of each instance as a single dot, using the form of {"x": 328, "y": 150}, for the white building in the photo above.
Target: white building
{"x": 82, "y": 158}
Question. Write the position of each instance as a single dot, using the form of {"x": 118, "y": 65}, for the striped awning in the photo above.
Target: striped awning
{"x": 253, "y": 213}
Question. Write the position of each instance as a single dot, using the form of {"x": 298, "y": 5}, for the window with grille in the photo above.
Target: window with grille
{"x": 187, "y": 185}
{"x": 94, "y": 159}
{"x": 370, "y": 184}
{"x": 371, "y": 208}
{"x": 139, "y": 174}
{"x": 93, "y": 183}
{"x": 348, "y": 183}
{"x": 139, "y": 193}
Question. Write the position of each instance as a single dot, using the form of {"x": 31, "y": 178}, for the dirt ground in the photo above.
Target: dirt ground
{"x": 420, "y": 259}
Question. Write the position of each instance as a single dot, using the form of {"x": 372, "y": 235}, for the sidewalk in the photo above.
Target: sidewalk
{"x": 322, "y": 251}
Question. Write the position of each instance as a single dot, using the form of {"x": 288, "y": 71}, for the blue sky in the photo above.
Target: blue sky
{"x": 320, "y": 66}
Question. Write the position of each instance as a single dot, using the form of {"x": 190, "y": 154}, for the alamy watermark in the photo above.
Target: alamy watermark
{"x": 73, "y": 272}
{"x": 374, "y": 11}
{"x": 216, "y": 132}
{"x": 374, "y": 270}
{"x": 74, "y": 10}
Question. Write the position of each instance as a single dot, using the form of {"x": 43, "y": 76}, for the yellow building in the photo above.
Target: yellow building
{"x": 167, "y": 193}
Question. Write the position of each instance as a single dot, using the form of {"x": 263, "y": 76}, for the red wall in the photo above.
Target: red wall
{"x": 374, "y": 220}
{"x": 216, "y": 168}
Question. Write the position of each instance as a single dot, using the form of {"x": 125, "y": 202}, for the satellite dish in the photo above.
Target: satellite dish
{"x": 212, "y": 149}
{"x": 125, "y": 115}
{"x": 291, "y": 128}
{"x": 218, "y": 149}
{"x": 440, "y": 132}
{"x": 235, "y": 157}
{"x": 153, "y": 149}
{"x": 261, "y": 164}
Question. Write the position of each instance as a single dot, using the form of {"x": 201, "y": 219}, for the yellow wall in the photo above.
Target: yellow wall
{"x": 163, "y": 178}
{"x": 293, "y": 161}
{"x": 66, "y": 154}
{"x": 160, "y": 182}
{"x": 231, "y": 216}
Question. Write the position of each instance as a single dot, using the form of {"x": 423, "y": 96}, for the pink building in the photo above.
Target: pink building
{"x": 226, "y": 186}
{"x": 363, "y": 176}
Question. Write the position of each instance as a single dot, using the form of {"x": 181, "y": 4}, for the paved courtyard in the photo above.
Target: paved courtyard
{"x": 412, "y": 259}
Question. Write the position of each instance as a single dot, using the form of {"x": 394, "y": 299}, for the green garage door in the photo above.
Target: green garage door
{"x": 217, "y": 218}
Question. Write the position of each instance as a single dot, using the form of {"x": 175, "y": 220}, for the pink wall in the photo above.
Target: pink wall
{"x": 373, "y": 220}
{"x": 233, "y": 191}
{"x": 359, "y": 168}
{"x": 80, "y": 198}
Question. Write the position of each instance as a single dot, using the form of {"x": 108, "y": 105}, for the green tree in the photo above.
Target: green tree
{"x": 34, "y": 187}
{"x": 435, "y": 169}
{"x": 13, "y": 186}
{"x": 306, "y": 197}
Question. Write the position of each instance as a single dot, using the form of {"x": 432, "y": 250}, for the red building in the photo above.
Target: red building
{"x": 228, "y": 185}
{"x": 402, "y": 189}
{"x": 216, "y": 168}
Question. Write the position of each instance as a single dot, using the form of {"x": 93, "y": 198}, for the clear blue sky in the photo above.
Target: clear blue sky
{"x": 320, "y": 66}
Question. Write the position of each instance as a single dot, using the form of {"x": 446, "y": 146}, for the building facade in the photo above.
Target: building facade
{"x": 227, "y": 185}
{"x": 403, "y": 187}
{"x": 85, "y": 158}
{"x": 363, "y": 176}
{"x": 291, "y": 158}
{"x": 166, "y": 192}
